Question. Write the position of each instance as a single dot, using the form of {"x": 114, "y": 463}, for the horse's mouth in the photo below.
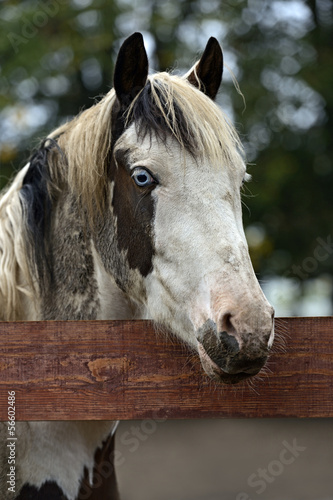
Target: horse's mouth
{"x": 216, "y": 373}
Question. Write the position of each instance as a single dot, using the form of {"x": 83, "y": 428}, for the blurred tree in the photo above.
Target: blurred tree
{"x": 56, "y": 56}
{"x": 286, "y": 55}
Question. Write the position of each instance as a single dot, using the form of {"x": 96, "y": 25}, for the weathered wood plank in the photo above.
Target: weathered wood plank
{"x": 124, "y": 370}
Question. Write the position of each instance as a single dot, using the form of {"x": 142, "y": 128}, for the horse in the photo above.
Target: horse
{"x": 132, "y": 210}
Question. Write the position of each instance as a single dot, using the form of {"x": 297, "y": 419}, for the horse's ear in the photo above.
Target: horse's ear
{"x": 131, "y": 70}
{"x": 206, "y": 74}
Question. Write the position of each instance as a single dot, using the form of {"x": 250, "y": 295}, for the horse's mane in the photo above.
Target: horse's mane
{"x": 77, "y": 155}
{"x": 15, "y": 275}
{"x": 170, "y": 103}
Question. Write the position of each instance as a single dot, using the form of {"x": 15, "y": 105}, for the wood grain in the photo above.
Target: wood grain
{"x": 124, "y": 370}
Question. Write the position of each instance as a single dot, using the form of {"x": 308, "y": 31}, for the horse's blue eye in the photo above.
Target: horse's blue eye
{"x": 142, "y": 177}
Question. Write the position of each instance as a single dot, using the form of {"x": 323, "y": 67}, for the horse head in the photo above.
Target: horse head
{"x": 176, "y": 172}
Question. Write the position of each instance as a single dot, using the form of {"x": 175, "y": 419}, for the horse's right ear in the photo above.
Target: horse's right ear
{"x": 131, "y": 70}
{"x": 207, "y": 73}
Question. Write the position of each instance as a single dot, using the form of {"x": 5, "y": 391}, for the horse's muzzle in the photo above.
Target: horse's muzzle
{"x": 226, "y": 359}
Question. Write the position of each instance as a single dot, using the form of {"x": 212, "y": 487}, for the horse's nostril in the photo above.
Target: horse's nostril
{"x": 229, "y": 343}
{"x": 227, "y": 325}
{"x": 227, "y": 338}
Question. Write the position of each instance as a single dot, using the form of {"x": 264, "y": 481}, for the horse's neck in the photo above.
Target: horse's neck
{"x": 113, "y": 303}
{"x": 81, "y": 287}
{"x": 81, "y": 290}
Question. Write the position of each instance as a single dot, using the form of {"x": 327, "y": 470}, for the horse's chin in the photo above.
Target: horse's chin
{"x": 215, "y": 372}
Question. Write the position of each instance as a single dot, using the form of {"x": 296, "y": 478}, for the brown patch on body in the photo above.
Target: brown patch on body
{"x": 104, "y": 483}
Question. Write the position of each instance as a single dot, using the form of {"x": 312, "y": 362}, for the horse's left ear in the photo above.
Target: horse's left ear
{"x": 206, "y": 74}
{"x": 131, "y": 70}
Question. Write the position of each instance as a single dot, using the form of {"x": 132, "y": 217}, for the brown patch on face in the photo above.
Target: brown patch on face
{"x": 133, "y": 208}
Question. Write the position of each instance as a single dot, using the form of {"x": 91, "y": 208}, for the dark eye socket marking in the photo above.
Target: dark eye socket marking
{"x": 143, "y": 178}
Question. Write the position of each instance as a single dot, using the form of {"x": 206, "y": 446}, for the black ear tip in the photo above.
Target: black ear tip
{"x": 131, "y": 69}
{"x": 135, "y": 38}
{"x": 208, "y": 71}
{"x": 212, "y": 40}
{"x": 137, "y": 35}
{"x": 213, "y": 44}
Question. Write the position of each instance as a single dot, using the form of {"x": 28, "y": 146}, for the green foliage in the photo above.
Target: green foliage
{"x": 57, "y": 56}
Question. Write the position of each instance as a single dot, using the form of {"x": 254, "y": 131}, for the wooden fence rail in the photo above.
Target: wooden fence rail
{"x": 68, "y": 370}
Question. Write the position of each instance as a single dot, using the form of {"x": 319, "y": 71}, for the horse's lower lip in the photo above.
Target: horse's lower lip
{"x": 215, "y": 372}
